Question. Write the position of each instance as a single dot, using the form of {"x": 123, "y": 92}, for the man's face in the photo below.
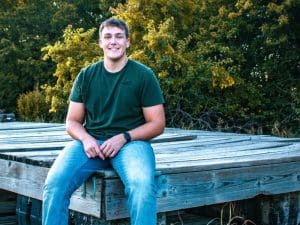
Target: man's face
{"x": 114, "y": 43}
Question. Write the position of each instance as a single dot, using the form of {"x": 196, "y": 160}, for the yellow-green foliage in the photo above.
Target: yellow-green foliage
{"x": 26, "y": 27}
{"x": 77, "y": 50}
{"x": 184, "y": 42}
{"x": 219, "y": 61}
{"x": 222, "y": 64}
{"x": 176, "y": 35}
{"x": 33, "y": 106}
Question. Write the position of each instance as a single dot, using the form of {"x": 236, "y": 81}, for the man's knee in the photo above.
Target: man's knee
{"x": 51, "y": 186}
{"x": 141, "y": 185}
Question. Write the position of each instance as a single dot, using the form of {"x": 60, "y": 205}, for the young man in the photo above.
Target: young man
{"x": 116, "y": 106}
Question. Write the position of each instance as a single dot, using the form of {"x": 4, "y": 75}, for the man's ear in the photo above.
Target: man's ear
{"x": 128, "y": 43}
{"x": 100, "y": 43}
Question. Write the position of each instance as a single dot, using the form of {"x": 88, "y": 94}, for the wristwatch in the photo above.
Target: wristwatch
{"x": 127, "y": 137}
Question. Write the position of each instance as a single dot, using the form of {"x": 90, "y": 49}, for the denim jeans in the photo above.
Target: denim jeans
{"x": 135, "y": 164}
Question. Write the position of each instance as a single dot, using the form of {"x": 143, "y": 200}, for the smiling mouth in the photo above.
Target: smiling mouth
{"x": 113, "y": 49}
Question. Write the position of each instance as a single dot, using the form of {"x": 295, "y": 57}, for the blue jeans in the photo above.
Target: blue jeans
{"x": 135, "y": 164}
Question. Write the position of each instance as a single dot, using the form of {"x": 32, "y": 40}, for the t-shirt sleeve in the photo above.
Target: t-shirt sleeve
{"x": 151, "y": 91}
{"x": 76, "y": 91}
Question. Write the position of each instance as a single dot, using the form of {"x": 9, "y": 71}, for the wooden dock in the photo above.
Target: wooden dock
{"x": 194, "y": 168}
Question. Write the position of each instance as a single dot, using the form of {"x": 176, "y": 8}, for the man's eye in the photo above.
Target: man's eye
{"x": 107, "y": 37}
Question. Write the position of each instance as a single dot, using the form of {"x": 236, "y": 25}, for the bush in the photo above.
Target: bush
{"x": 33, "y": 106}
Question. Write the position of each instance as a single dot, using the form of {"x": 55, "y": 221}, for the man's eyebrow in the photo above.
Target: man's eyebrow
{"x": 108, "y": 33}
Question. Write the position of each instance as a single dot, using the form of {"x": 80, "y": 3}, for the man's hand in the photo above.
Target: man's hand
{"x": 112, "y": 146}
{"x": 92, "y": 148}
{"x": 74, "y": 121}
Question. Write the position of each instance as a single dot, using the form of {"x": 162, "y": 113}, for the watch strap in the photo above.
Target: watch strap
{"x": 127, "y": 137}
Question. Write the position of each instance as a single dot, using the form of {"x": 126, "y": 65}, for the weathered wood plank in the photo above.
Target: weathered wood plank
{"x": 7, "y": 140}
{"x": 216, "y": 134}
{"x": 7, "y": 203}
{"x": 4, "y": 135}
{"x": 203, "y": 143}
{"x": 280, "y": 209}
{"x": 8, "y": 220}
{"x": 28, "y": 180}
{"x": 191, "y": 154}
{"x": 194, "y": 168}
{"x": 27, "y": 125}
{"x": 32, "y": 146}
{"x": 57, "y": 142}
{"x": 180, "y": 191}
{"x": 35, "y": 139}
{"x": 289, "y": 154}
{"x": 214, "y": 149}
{"x": 194, "y": 153}
{"x": 29, "y": 154}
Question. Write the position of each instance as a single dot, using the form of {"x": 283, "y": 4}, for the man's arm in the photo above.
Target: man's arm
{"x": 154, "y": 126}
{"x": 74, "y": 127}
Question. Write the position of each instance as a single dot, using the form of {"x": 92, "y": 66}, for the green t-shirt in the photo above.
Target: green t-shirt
{"x": 114, "y": 101}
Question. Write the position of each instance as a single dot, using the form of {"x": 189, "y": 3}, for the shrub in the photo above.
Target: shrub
{"x": 33, "y": 106}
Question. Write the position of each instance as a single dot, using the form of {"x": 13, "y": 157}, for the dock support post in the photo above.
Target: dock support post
{"x": 281, "y": 209}
{"x": 161, "y": 219}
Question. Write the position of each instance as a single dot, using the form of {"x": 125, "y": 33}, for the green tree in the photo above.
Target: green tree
{"x": 227, "y": 65}
{"x": 33, "y": 106}
{"x": 230, "y": 65}
{"x": 185, "y": 43}
{"x": 26, "y": 27}
{"x": 77, "y": 50}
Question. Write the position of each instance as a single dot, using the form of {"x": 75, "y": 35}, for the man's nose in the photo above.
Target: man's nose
{"x": 113, "y": 40}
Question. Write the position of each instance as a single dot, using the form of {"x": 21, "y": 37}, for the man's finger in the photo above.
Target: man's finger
{"x": 88, "y": 154}
{"x": 105, "y": 149}
{"x": 100, "y": 154}
{"x": 113, "y": 153}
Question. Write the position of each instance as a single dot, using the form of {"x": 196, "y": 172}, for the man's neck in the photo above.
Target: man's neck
{"x": 115, "y": 66}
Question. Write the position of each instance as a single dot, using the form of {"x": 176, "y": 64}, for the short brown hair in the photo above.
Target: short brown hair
{"x": 113, "y": 22}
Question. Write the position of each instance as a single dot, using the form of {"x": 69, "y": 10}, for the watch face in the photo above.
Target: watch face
{"x": 127, "y": 136}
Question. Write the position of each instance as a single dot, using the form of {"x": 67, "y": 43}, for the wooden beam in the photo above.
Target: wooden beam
{"x": 187, "y": 190}
{"x": 28, "y": 180}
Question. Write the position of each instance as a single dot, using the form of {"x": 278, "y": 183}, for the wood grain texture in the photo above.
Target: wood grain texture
{"x": 28, "y": 180}
{"x": 194, "y": 168}
{"x": 181, "y": 191}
